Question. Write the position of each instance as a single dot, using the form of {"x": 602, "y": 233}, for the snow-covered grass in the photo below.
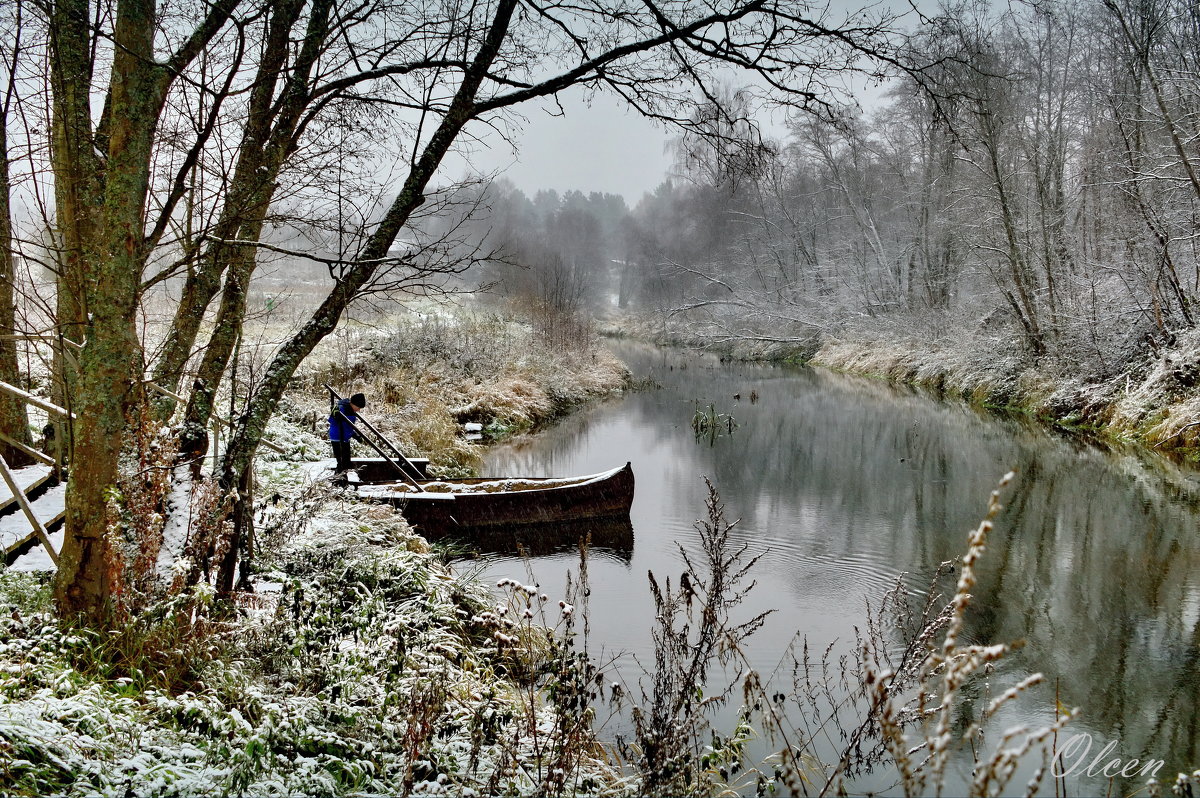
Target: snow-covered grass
{"x": 982, "y": 372}
{"x": 365, "y": 666}
{"x": 424, "y": 376}
{"x": 1153, "y": 400}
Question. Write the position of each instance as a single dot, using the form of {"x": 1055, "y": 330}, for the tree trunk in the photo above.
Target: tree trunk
{"x": 249, "y": 429}
{"x": 110, "y": 378}
{"x": 14, "y": 421}
{"x": 78, "y": 195}
{"x": 240, "y": 539}
{"x": 1019, "y": 271}
{"x": 226, "y": 332}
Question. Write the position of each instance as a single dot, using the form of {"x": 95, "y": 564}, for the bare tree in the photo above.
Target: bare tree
{"x": 206, "y": 110}
{"x": 652, "y": 56}
{"x": 102, "y": 176}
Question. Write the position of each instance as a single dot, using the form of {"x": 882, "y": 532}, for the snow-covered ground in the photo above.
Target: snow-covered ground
{"x": 364, "y": 666}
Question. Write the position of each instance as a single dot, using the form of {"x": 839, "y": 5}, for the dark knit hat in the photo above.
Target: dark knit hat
{"x": 358, "y": 400}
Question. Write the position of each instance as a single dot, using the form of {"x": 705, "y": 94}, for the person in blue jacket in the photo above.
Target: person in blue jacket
{"x": 340, "y": 431}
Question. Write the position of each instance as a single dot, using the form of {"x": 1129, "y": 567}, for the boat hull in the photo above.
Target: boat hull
{"x": 606, "y": 495}
{"x": 610, "y": 535}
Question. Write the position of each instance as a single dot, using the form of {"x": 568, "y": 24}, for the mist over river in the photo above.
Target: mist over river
{"x": 845, "y": 484}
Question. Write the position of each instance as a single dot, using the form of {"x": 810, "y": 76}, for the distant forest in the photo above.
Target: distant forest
{"x": 1036, "y": 182}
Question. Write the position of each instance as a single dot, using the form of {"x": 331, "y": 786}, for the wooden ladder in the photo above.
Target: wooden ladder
{"x": 402, "y": 464}
{"x": 26, "y": 497}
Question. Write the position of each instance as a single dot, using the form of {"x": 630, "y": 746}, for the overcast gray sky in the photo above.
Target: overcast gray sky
{"x": 591, "y": 147}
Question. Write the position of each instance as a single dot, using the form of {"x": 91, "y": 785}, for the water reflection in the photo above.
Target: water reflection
{"x": 848, "y": 483}
{"x": 609, "y": 537}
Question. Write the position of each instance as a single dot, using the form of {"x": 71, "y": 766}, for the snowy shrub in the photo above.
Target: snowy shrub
{"x": 299, "y": 433}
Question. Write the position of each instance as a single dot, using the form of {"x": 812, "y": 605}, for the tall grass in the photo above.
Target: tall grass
{"x": 890, "y": 705}
{"x": 708, "y": 424}
{"x": 424, "y": 377}
{"x": 694, "y": 631}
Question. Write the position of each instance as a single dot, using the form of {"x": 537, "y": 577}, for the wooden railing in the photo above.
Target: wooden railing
{"x": 39, "y": 529}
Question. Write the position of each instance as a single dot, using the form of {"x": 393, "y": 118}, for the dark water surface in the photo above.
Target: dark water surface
{"x": 844, "y": 484}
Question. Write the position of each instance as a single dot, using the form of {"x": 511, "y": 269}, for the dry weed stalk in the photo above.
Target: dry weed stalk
{"x": 827, "y": 714}
{"x": 555, "y": 744}
{"x": 828, "y": 706}
{"x": 947, "y": 670}
{"x": 858, "y": 706}
{"x": 693, "y": 631}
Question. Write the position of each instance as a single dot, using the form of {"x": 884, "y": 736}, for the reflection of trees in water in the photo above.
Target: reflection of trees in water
{"x": 1094, "y": 568}
{"x": 1176, "y": 726}
{"x": 1092, "y": 571}
{"x": 1092, "y": 574}
{"x": 1094, "y": 562}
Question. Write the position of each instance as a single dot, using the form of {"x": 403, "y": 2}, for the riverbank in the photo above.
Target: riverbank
{"x": 426, "y": 375}
{"x": 361, "y": 663}
{"x": 782, "y": 347}
{"x": 1153, "y": 402}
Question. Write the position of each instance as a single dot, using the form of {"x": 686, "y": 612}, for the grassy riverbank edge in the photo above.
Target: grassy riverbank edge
{"x": 1152, "y": 402}
{"x": 712, "y": 338}
{"x": 426, "y": 376}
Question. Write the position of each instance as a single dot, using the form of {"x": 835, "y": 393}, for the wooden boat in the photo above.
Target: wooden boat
{"x": 450, "y": 507}
{"x": 481, "y": 503}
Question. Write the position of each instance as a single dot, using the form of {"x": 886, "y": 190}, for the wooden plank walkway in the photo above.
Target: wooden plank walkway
{"x": 48, "y": 500}
{"x": 32, "y": 479}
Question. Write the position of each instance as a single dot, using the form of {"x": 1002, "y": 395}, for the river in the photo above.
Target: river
{"x": 845, "y": 484}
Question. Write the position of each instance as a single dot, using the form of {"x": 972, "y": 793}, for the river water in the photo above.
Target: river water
{"x": 846, "y": 484}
